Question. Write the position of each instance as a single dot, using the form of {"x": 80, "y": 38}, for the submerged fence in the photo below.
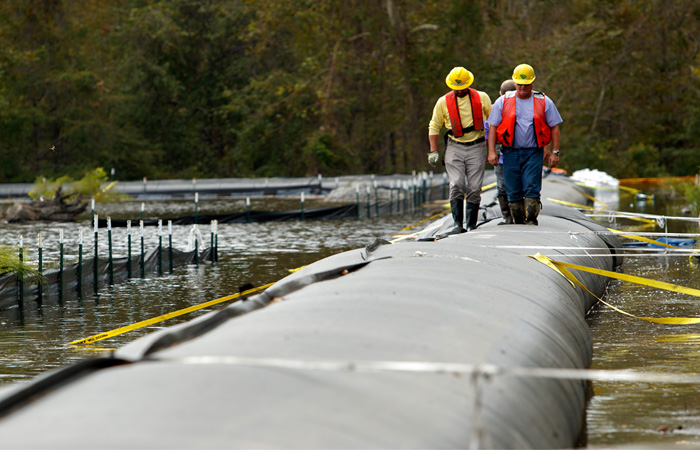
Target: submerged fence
{"x": 372, "y": 198}
{"x": 88, "y": 275}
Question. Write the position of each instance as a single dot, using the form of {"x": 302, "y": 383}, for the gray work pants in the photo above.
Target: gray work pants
{"x": 465, "y": 169}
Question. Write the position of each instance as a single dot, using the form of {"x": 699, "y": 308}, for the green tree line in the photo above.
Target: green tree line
{"x": 244, "y": 88}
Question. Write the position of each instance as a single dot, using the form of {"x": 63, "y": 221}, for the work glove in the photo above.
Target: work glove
{"x": 433, "y": 158}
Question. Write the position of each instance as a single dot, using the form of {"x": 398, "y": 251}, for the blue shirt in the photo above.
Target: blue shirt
{"x": 525, "y": 119}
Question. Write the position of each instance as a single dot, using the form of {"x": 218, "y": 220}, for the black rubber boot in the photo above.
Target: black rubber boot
{"x": 517, "y": 210}
{"x": 532, "y": 210}
{"x": 505, "y": 210}
{"x": 457, "y": 206}
{"x": 472, "y": 215}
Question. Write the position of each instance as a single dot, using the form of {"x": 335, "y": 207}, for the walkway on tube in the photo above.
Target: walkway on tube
{"x": 379, "y": 347}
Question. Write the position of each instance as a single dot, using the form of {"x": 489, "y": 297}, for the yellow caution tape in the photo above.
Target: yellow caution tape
{"x": 629, "y": 189}
{"x": 576, "y": 205}
{"x": 425, "y": 220}
{"x": 601, "y": 188}
{"x": 642, "y": 239}
{"x": 585, "y": 194}
{"x": 590, "y": 197}
{"x": 144, "y": 323}
{"x": 564, "y": 269}
{"x": 401, "y": 237}
{"x": 109, "y": 186}
{"x": 565, "y": 203}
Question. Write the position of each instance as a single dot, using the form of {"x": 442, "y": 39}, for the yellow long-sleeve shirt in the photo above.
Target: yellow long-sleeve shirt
{"x": 442, "y": 118}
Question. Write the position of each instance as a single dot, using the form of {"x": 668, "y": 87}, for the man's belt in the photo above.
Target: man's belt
{"x": 521, "y": 148}
{"x": 474, "y": 142}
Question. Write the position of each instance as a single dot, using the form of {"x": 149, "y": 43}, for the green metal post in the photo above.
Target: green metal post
{"x": 80, "y": 262}
{"x": 60, "y": 265}
{"x": 196, "y": 206}
{"x": 128, "y": 248}
{"x": 21, "y": 280}
{"x": 368, "y": 202}
{"x": 95, "y": 271}
{"x": 111, "y": 260}
{"x": 41, "y": 270}
{"x": 160, "y": 247}
{"x": 170, "y": 244}
{"x": 143, "y": 253}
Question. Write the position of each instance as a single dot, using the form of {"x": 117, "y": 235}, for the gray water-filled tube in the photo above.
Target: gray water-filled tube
{"x": 320, "y": 359}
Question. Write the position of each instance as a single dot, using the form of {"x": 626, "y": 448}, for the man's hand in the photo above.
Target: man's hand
{"x": 553, "y": 159}
{"x": 433, "y": 158}
{"x": 492, "y": 158}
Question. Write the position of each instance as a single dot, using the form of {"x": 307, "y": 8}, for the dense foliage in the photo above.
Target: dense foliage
{"x": 241, "y": 88}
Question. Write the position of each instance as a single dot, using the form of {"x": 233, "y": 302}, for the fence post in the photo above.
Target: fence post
{"x": 143, "y": 252}
{"x": 211, "y": 245}
{"x": 196, "y": 207}
{"x": 376, "y": 199}
{"x": 80, "y": 261}
{"x": 95, "y": 271}
{"x": 368, "y": 202}
{"x": 41, "y": 270}
{"x": 21, "y": 279}
{"x": 111, "y": 260}
{"x": 196, "y": 247}
{"x": 60, "y": 265}
{"x": 128, "y": 248}
{"x": 160, "y": 247}
{"x": 170, "y": 244}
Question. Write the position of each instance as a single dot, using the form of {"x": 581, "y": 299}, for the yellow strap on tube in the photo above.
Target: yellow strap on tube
{"x": 565, "y": 203}
{"x": 564, "y": 269}
{"x": 144, "y": 323}
{"x": 642, "y": 239}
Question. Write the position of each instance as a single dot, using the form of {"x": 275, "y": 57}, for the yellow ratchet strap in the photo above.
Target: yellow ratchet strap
{"x": 642, "y": 239}
{"x": 564, "y": 269}
{"x": 144, "y": 323}
{"x": 565, "y": 203}
{"x": 425, "y": 220}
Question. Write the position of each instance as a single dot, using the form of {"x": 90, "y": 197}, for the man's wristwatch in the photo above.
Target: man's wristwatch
{"x": 556, "y": 152}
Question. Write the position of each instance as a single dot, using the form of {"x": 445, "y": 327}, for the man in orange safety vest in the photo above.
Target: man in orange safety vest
{"x": 525, "y": 122}
{"x": 462, "y": 111}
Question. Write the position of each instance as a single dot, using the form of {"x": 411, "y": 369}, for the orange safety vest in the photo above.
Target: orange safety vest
{"x": 506, "y": 129}
{"x": 453, "y": 110}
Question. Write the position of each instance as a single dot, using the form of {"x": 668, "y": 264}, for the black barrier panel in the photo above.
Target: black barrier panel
{"x": 337, "y": 212}
{"x": 67, "y": 281}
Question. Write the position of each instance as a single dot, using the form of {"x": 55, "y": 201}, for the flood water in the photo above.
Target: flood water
{"x": 652, "y": 414}
{"x": 619, "y": 414}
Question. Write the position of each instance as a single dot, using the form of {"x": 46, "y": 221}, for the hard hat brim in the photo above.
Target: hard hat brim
{"x": 460, "y": 87}
{"x": 524, "y": 81}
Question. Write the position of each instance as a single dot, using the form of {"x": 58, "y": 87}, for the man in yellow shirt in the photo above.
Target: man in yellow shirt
{"x": 463, "y": 111}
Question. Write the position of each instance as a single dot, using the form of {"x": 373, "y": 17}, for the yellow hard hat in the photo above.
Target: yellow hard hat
{"x": 524, "y": 74}
{"x": 459, "y": 78}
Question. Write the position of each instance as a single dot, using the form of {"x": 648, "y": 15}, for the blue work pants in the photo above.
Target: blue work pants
{"x": 522, "y": 172}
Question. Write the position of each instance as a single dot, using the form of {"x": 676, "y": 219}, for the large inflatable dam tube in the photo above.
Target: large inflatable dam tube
{"x": 243, "y": 376}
